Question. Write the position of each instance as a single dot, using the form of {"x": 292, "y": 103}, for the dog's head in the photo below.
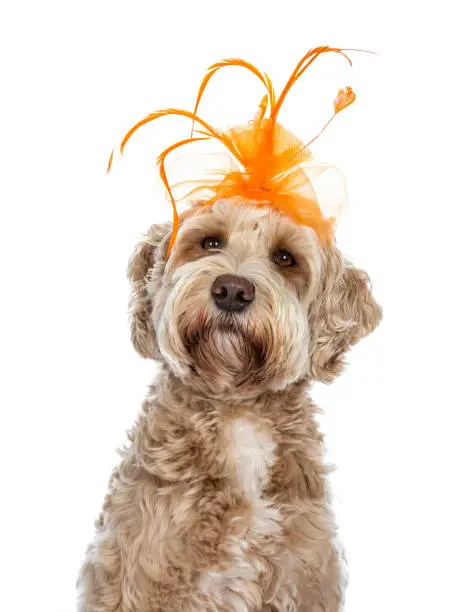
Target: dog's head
{"x": 246, "y": 297}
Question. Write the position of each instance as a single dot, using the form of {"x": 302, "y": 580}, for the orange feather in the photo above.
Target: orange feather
{"x": 110, "y": 161}
{"x": 264, "y": 78}
{"x": 162, "y": 174}
{"x": 270, "y": 161}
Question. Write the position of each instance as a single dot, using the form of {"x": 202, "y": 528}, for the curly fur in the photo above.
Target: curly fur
{"x": 220, "y": 500}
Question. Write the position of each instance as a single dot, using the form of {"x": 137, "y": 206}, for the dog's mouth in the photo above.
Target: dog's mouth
{"x": 225, "y": 342}
{"x": 231, "y": 323}
{"x": 221, "y": 325}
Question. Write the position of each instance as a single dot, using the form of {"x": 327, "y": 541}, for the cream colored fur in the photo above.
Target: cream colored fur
{"x": 220, "y": 499}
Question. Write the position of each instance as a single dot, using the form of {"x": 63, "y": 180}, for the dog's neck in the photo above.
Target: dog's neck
{"x": 193, "y": 389}
{"x": 184, "y": 434}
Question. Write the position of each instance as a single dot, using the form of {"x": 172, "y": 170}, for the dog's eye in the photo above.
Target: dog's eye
{"x": 283, "y": 258}
{"x": 211, "y": 242}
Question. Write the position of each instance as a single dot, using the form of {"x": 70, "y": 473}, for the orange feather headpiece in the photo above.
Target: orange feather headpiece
{"x": 269, "y": 167}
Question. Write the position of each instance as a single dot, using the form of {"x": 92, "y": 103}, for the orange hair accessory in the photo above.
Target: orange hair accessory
{"x": 269, "y": 166}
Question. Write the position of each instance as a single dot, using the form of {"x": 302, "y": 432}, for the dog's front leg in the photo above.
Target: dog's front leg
{"x": 156, "y": 543}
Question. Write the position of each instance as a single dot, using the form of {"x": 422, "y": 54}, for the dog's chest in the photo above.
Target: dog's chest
{"x": 251, "y": 454}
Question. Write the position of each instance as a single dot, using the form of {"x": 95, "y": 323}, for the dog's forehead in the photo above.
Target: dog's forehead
{"x": 259, "y": 224}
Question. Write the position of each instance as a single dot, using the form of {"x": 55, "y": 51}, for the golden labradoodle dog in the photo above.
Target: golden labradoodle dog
{"x": 220, "y": 500}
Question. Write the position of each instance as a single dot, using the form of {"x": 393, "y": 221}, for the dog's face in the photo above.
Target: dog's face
{"x": 246, "y": 298}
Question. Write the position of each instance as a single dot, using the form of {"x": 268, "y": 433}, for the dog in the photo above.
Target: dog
{"x": 220, "y": 501}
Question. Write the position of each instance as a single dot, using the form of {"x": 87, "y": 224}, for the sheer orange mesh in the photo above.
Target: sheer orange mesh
{"x": 269, "y": 159}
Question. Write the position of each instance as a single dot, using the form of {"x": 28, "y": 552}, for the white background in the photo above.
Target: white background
{"x": 74, "y": 77}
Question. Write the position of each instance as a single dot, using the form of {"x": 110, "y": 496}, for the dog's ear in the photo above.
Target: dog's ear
{"x": 343, "y": 311}
{"x": 145, "y": 270}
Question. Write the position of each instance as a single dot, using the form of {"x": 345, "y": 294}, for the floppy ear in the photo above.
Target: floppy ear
{"x": 145, "y": 270}
{"x": 343, "y": 312}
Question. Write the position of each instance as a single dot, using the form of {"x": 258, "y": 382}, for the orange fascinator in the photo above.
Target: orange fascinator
{"x": 269, "y": 163}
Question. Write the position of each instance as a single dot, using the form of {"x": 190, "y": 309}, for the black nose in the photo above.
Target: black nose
{"x": 232, "y": 293}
